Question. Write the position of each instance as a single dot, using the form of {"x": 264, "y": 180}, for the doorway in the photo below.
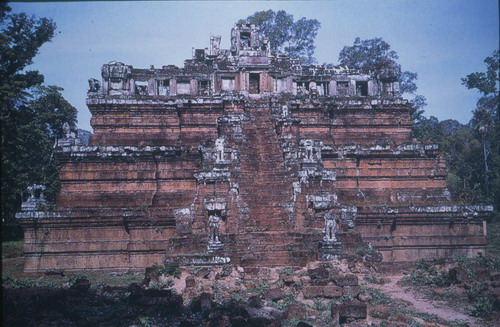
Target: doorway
{"x": 254, "y": 83}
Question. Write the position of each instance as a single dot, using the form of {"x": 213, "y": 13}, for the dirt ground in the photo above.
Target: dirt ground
{"x": 422, "y": 303}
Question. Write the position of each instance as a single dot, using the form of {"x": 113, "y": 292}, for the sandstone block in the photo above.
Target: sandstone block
{"x": 381, "y": 312}
{"x": 438, "y": 291}
{"x": 458, "y": 275}
{"x": 352, "y": 311}
{"x": 206, "y": 302}
{"x": 295, "y": 311}
{"x": 274, "y": 294}
{"x": 365, "y": 297}
{"x": 332, "y": 291}
{"x": 318, "y": 273}
{"x": 312, "y": 291}
{"x": 190, "y": 281}
{"x": 345, "y": 280}
{"x": 374, "y": 257}
{"x": 401, "y": 318}
{"x": 351, "y": 290}
{"x": 255, "y": 302}
{"x": 81, "y": 285}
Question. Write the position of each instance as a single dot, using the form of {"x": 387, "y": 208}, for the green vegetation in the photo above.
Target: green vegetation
{"x": 163, "y": 285}
{"x": 493, "y": 248}
{"x": 377, "y": 296}
{"x": 472, "y": 273}
{"x": 32, "y": 115}
{"x": 145, "y": 322}
{"x": 12, "y": 270}
{"x": 12, "y": 249}
{"x": 482, "y": 304}
{"x": 220, "y": 291}
{"x": 472, "y": 150}
{"x": 295, "y": 38}
{"x": 287, "y": 271}
{"x": 169, "y": 269}
{"x": 427, "y": 274}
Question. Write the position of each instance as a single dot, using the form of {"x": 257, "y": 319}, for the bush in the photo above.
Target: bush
{"x": 18, "y": 282}
{"x": 483, "y": 307}
{"x": 169, "y": 269}
{"x": 377, "y": 296}
{"x": 21, "y": 282}
{"x": 426, "y": 274}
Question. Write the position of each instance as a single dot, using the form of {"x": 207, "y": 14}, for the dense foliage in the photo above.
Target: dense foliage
{"x": 295, "y": 38}
{"x": 375, "y": 55}
{"x": 473, "y": 149}
{"x": 32, "y": 115}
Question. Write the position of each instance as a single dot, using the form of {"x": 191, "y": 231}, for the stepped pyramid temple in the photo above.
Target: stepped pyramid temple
{"x": 244, "y": 156}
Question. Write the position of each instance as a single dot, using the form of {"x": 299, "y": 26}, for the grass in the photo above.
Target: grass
{"x": 12, "y": 249}
{"x": 377, "y": 296}
{"x": 12, "y": 259}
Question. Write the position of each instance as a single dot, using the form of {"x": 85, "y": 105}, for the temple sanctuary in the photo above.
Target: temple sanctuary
{"x": 245, "y": 156}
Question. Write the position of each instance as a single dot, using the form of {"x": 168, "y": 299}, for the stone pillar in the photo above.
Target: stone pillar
{"x": 193, "y": 86}
{"x": 173, "y": 87}
{"x": 151, "y": 86}
{"x": 372, "y": 88}
{"x": 332, "y": 89}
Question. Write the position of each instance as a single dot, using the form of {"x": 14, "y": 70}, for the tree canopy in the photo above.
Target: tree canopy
{"x": 32, "y": 115}
{"x": 375, "y": 55}
{"x": 472, "y": 150}
{"x": 295, "y": 38}
{"x": 486, "y": 123}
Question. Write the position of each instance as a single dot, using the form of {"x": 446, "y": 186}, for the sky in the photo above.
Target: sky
{"x": 442, "y": 41}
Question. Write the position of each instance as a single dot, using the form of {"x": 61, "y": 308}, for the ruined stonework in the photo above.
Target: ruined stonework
{"x": 245, "y": 156}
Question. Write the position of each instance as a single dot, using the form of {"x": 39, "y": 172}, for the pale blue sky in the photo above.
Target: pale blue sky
{"x": 442, "y": 41}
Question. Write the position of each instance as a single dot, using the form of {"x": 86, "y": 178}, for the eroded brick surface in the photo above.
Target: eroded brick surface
{"x": 244, "y": 156}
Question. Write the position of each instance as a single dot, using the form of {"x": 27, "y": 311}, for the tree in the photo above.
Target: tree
{"x": 377, "y": 57}
{"x": 31, "y": 115}
{"x": 472, "y": 150}
{"x": 295, "y": 38}
{"x": 20, "y": 40}
{"x": 486, "y": 122}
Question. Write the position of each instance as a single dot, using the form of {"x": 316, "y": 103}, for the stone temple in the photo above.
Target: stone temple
{"x": 246, "y": 156}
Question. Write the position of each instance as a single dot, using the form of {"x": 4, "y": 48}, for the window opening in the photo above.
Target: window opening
{"x": 302, "y": 87}
{"x": 163, "y": 87}
{"x": 322, "y": 88}
{"x": 204, "y": 88}
{"x": 141, "y": 88}
{"x": 245, "y": 40}
{"x": 361, "y": 88}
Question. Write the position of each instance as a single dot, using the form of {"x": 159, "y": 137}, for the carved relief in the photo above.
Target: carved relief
{"x": 116, "y": 75}
{"x": 219, "y": 150}
{"x": 94, "y": 85}
{"x": 330, "y": 229}
{"x": 213, "y": 224}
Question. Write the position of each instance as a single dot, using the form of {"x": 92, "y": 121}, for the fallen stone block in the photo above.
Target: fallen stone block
{"x": 352, "y": 311}
{"x": 345, "y": 280}
{"x": 274, "y": 294}
{"x": 332, "y": 291}
{"x": 312, "y": 291}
